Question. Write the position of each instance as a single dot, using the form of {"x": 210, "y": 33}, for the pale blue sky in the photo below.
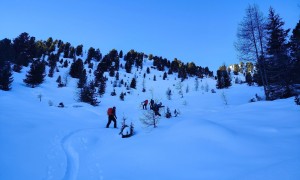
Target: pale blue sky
{"x": 190, "y": 30}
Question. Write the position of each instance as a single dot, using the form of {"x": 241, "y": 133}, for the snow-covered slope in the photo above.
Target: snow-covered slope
{"x": 208, "y": 140}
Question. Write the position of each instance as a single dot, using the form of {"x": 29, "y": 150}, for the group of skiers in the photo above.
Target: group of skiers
{"x": 153, "y": 106}
{"x": 111, "y": 112}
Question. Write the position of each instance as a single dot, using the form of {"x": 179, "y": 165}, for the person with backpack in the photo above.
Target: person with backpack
{"x": 156, "y": 108}
{"x": 145, "y": 103}
{"x": 151, "y": 103}
{"x": 111, "y": 112}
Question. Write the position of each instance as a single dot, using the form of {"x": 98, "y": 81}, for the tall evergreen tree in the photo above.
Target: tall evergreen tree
{"x": 128, "y": 66}
{"x": 133, "y": 83}
{"x": 249, "y": 79}
{"x": 98, "y": 74}
{"x": 82, "y": 79}
{"x": 295, "y": 53}
{"x": 111, "y": 72}
{"x": 121, "y": 54}
{"x": 7, "y": 52}
{"x": 6, "y": 78}
{"x": 36, "y": 74}
{"x": 76, "y": 68}
{"x": 165, "y": 76}
{"x": 91, "y": 54}
{"x": 22, "y": 45}
{"x": 102, "y": 86}
{"x": 223, "y": 79}
{"x": 78, "y": 50}
{"x": 67, "y": 50}
{"x": 278, "y": 61}
{"x": 98, "y": 55}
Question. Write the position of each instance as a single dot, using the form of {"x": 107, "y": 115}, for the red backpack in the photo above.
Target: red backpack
{"x": 110, "y": 111}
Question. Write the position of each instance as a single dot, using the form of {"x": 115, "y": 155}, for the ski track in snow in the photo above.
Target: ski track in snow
{"x": 71, "y": 155}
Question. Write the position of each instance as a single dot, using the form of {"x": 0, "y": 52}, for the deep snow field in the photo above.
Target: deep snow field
{"x": 208, "y": 140}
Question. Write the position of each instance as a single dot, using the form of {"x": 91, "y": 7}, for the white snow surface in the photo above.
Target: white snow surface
{"x": 208, "y": 140}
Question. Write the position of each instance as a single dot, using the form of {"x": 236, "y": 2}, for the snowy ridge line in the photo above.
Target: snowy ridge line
{"x": 71, "y": 155}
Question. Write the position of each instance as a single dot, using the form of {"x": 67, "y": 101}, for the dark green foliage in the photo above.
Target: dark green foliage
{"x": 164, "y": 76}
{"x": 24, "y": 47}
{"x": 78, "y": 50}
{"x": 59, "y": 81}
{"x": 150, "y": 57}
{"x": 102, "y": 86}
{"x": 191, "y": 69}
{"x": 110, "y": 62}
{"x": 249, "y": 79}
{"x": 122, "y": 96}
{"x": 36, "y": 74}
{"x": 76, "y": 68}
{"x": 6, "y": 78}
{"x": 72, "y": 52}
{"x": 67, "y": 50}
{"x": 61, "y": 47}
{"x": 52, "y": 59}
{"x": 17, "y": 68}
{"x": 182, "y": 73}
{"x": 128, "y": 67}
{"x": 98, "y": 55}
{"x": 295, "y": 53}
{"x": 91, "y": 54}
{"x": 148, "y": 70}
{"x": 236, "y": 69}
{"x": 133, "y": 83}
{"x": 223, "y": 79}
{"x": 278, "y": 61}
{"x": 66, "y": 64}
{"x": 249, "y": 67}
{"x": 49, "y": 42}
{"x": 121, "y": 54}
{"x": 98, "y": 74}
{"x": 133, "y": 58}
{"x": 111, "y": 72}
{"x": 7, "y": 52}
{"x": 113, "y": 93}
{"x": 82, "y": 79}
{"x": 47, "y": 47}
{"x": 87, "y": 94}
{"x": 175, "y": 65}
{"x": 160, "y": 63}
{"x": 51, "y": 72}
{"x": 117, "y": 76}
